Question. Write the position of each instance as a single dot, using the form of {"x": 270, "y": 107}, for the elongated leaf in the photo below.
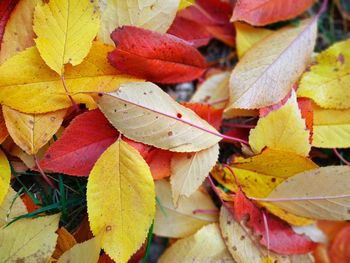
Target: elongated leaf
{"x": 183, "y": 220}
{"x": 145, "y": 113}
{"x": 29, "y": 240}
{"x": 206, "y": 245}
{"x": 11, "y": 207}
{"x": 149, "y": 14}
{"x": 260, "y": 13}
{"x": 139, "y": 51}
{"x": 258, "y": 79}
{"x": 320, "y": 191}
{"x": 32, "y": 131}
{"x": 37, "y": 89}
{"x": 5, "y": 176}
{"x": 65, "y": 30}
{"x": 189, "y": 170}
{"x": 121, "y": 200}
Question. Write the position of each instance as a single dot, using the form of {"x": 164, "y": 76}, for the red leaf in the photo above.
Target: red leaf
{"x": 206, "y": 112}
{"x": 340, "y": 247}
{"x": 81, "y": 144}
{"x": 263, "y": 12}
{"x": 211, "y": 16}
{"x": 6, "y": 7}
{"x": 156, "y": 57}
{"x": 307, "y": 113}
{"x": 283, "y": 239}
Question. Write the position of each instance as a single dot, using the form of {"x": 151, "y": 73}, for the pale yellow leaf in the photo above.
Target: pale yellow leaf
{"x": 189, "y": 170}
{"x": 242, "y": 247}
{"x": 206, "y": 245}
{"x": 327, "y": 81}
{"x": 213, "y": 89}
{"x": 331, "y": 128}
{"x": 145, "y": 113}
{"x": 247, "y": 36}
{"x": 32, "y": 131}
{"x": 121, "y": 200}
{"x": 5, "y": 176}
{"x": 87, "y": 252}
{"x": 29, "y": 240}
{"x": 18, "y": 33}
{"x": 283, "y": 129}
{"x": 265, "y": 74}
{"x": 321, "y": 191}
{"x": 37, "y": 89}
{"x": 65, "y": 30}
{"x": 181, "y": 221}
{"x": 11, "y": 207}
{"x": 155, "y": 15}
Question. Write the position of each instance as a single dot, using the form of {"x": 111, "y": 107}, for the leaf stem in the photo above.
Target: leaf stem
{"x": 299, "y": 198}
{"x": 41, "y": 171}
{"x": 70, "y": 96}
{"x": 341, "y": 158}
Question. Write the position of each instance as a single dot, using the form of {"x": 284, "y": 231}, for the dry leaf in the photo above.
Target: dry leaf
{"x": 65, "y": 30}
{"x": 65, "y": 241}
{"x": 206, "y": 245}
{"x": 143, "y": 112}
{"x": 320, "y": 191}
{"x": 265, "y": 74}
{"x": 189, "y": 170}
{"x": 11, "y": 207}
{"x": 121, "y": 200}
{"x": 183, "y": 220}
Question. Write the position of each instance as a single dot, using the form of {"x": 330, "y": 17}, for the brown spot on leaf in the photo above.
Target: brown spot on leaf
{"x": 108, "y": 228}
{"x": 341, "y": 58}
{"x": 179, "y": 115}
{"x": 170, "y": 133}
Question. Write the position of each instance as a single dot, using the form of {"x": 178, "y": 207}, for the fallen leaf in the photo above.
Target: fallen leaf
{"x": 159, "y": 163}
{"x": 213, "y": 89}
{"x": 331, "y": 128}
{"x": 5, "y": 176}
{"x": 244, "y": 248}
{"x": 340, "y": 250}
{"x": 120, "y": 182}
{"x": 247, "y": 36}
{"x": 19, "y": 33}
{"x": 65, "y": 241}
{"x": 185, "y": 219}
{"x": 206, "y": 245}
{"x": 185, "y": 3}
{"x": 189, "y": 170}
{"x": 3, "y": 130}
{"x": 37, "y": 89}
{"x": 65, "y": 30}
{"x": 319, "y": 193}
{"x": 278, "y": 237}
{"x": 11, "y": 207}
{"x": 87, "y": 252}
{"x": 149, "y": 14}
{"x": 283, "y": 129}
{"x": 327, "y": 80}
{"x": 29, "y": 240}
{"x": 81, "y": 144}
{"x": 139, "y": 51}
{"x": 261, "y": 13}
{"x": 32, "y": 131}
{"x": 6, "y": 7}
{"x": 144, "y": 113}
{"x": 257, "y": 80}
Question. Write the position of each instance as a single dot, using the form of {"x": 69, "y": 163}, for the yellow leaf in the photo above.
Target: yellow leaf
{"x": 331, "y": 128}
{"x": 181, "y": 221}
{"x": 321, "y": 192}
{"x": 206, "y": 245}
{"x": 5, "y": 176}
{"x": 185, "y": 3}
{"x": 65, "y": 241}
{"x": 11, "y": 207}
{"x": 18, "y": 33}
{"x": 213, "y": 89}
{"x": 242, "y": 247}
{"x": 145, "y": 113}
{"x": 283, "y": 129}
{"x": 154, "y": 15}
{"x": 121, "y": 200}
{"x": 328, "y": 80}
{"x": 29, "y": 240}
{"x": 87, "y": 252}
{"x": 32, "y": 131}
{"x": 265, "y": 74}
{"x": 189, "y": 170}
{"x": 65, "y": 30}
{"x": 247, "y": 36}
{"x": 37, "y": 89}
